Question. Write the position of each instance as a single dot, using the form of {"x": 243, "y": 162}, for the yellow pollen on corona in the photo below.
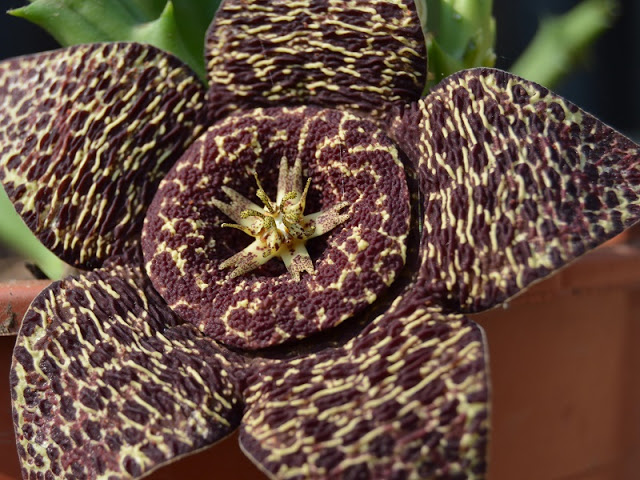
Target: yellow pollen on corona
{"x": 280, "y": 229}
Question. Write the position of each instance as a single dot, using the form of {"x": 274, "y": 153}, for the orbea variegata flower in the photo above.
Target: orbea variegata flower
{"x": 391, "y": 216}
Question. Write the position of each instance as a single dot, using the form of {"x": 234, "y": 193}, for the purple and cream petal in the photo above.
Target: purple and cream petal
{"x": 360, "y": 55}
{"x": 406, "y": 398}
{"x": 86, "y": 134}
{"x": 106, "y": 383}
{"x": 348, "y": 160}
{"x": 516, "y": 183}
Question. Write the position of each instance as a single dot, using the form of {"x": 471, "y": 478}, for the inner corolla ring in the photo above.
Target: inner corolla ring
{"x": 350, "y": 165}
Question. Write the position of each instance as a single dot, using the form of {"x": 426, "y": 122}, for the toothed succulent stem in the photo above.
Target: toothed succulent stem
{"x": 459, "y": 34}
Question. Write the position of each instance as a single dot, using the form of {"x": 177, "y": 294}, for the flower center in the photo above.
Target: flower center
{"x": 360, "y": 186}
{"x": 280, "y": 229}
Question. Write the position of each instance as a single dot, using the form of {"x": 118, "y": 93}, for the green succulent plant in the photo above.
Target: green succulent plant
{"x": 460, "y": 34}
{"x": 177, "y": 27}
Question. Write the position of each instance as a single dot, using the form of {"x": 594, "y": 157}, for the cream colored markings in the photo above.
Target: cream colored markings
{"x": 325, "y": 147}
{"x": 364, "y": 395}
{"x": 223, "y": 154}
{"x": 172, "y": 225}
{"x": 447, "y": 196}
{"x": 320, "y": 76}
{"x": 512, "y": 268}
{"x": 159, "y": 428}
{"x": 397, "y": 245}
{"x": 88, "y": 163}
{"x": 180, "y": 261}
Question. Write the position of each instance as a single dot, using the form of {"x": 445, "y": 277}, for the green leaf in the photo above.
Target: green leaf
{"x": 179, "y": 29}
{"x": 460, "y": 34}
{"x": 143, "y": 8}
{"x": 562, "y": 41}
{"x": 17, "y": 236}
{"x": 193, "y": 18}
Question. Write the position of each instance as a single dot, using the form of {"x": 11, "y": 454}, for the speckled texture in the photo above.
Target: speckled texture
{"x": 406, "y": 398}
{"x": 363, "y": 55}
{"x": 86, "y": 134}
{"x": 347, "y": 159}
{"x": 516, "y": 182}
{"x": 107, "y": 384}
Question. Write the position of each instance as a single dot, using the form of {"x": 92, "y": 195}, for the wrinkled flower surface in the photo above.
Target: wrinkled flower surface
{"x": 353, "y": 361}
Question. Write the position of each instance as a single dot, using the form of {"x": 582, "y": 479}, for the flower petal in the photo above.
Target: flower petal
{"x": 406, "y": 398}
{"x": 348, "y": 160}
{"x": 360, "y": 55}
{"x": 86, "y": 135}
{"x": 516, "y": 183}
{"x": 105, "y": 382}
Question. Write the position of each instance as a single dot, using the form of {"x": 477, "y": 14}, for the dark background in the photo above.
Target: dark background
{"x": 607, "y": 84}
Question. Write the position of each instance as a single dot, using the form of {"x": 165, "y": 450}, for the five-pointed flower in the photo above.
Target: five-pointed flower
{"x": 393, "y": 216}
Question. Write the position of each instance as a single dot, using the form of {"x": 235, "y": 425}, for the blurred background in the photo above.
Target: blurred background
{"x": 607, "y": 81}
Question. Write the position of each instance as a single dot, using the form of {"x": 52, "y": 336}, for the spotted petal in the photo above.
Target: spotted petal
{"x": 86, "y": 135}
{"x": 356, "y": 54}
{"x": 407, "y": 398}
{"x": 105, "y": 383}
{"x": 348, "y": 160}
{"x": 516, "y": 183}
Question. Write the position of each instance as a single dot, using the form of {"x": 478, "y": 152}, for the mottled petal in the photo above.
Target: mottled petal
{"x": 247, "y": 259}
{"x": 298, "y": 261}
{"x": 355, "y": 54}
{"x": 329, "y": 219}
{"x": 348, "y": 159}
{"x": 235, "y": 208}
{"x": 289, "y": 179}
{"x": 406, "y": 398}
{"x": 86, "y": 134}
{"x": 106, "y": 383}
{"x": 516, "y": 182}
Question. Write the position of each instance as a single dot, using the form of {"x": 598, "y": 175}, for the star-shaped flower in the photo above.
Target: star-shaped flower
{"x": 350, "y": 358}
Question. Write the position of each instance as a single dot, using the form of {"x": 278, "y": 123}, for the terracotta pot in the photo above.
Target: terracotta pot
{"x": 15, "y": 298}
{"x": 564, "y": 359}
{"x": 566, "y": 395}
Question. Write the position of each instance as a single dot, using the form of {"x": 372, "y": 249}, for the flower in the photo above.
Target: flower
{"x": 355, "y": 360}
